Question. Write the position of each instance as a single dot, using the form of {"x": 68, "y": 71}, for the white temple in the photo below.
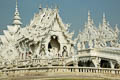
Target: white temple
{"x": 46, "y": 41}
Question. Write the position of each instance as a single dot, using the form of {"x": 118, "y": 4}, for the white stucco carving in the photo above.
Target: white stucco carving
{"x": 48, "y": 41}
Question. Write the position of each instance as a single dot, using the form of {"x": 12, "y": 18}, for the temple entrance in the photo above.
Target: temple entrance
{"x": 54, "y": 45}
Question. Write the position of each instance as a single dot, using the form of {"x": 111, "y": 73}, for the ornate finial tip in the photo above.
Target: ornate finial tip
{"x": 16, "y": 5}
{"x": 16, "y": 2}
{"x": 103, "y": 15}
{"x": 116, "y": 24}
{"x": 88, "y": 12}
{"x": 40, "y": 7}
{"x": 56, "y": 6}
{"x": 46, "y": 6}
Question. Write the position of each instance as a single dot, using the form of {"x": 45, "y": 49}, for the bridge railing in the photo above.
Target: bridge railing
{"x": 63, "y": 69}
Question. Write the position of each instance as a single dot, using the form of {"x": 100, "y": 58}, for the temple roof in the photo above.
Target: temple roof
{"x": 42, "y": 23}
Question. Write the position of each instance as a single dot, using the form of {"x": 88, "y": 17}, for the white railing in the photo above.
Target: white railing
{"x": 63, "y": 69}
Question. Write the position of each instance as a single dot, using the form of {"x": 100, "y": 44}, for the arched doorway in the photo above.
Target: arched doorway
{"x": 88, "y": 63}
{"x": 54, "y": 45}
{"x": 105, "y": 64}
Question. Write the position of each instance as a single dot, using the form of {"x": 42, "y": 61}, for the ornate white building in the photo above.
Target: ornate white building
{"x": 46, "y": 41}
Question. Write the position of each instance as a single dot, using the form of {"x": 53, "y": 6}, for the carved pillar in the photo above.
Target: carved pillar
{"x": 83, "y": 45}
{"x": 79, "y": 46}
{"x": 20, "y": 56}
{"x": 96, "y": 62}
{"x": 90, "y": 44}
{"x": 61, "y": 49}
{"x": 75, "y": 62}
{"x": 96, "y": 44}
{"x": 72, "y": 51}
{"x": 118, "y": 61}
{"x": 37, "y": 50}
{"x": 24, "y": 55}
{"x": 112, "y": 64}
{"x": 46, "y": 47}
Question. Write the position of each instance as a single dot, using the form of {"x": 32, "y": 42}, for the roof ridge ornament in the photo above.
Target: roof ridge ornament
{"x": 89, "y": 18}
{"x": 40, "y": 7}
{"x": 104, "y": 19}
{"x": 47, "y": 7}
{"x": 90, "y": 22}
{"x": 16, "y": 5}
{"x": 57, "y": 8}
{"x": 116, "y": 29}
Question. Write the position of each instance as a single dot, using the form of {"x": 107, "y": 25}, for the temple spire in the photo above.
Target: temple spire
{"x": 16, "y": 20}
{"x": 89, "y": 19}
{"x": 104, "y": 19}
{"x": 40, "y": 7}
{"x": 47, "y": 7}
{"x": 16, "y": 5}
{"x": 56, "y": 7}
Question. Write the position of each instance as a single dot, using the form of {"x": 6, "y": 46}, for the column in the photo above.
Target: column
{"x": 79, "y": 46}
{"x": 46, "y": 48}
{"x": 83, "y": 45}
{"x": 90, "y": 44}
{"x": 75, "y": 62}
{"x": 112, "y": 64}
{"x": 96, "y": 62}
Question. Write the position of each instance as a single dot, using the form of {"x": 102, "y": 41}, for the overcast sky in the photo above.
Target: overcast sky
{"x": 71, "y": 11}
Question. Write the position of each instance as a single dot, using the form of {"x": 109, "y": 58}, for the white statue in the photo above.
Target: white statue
{"x": 42, "y": 51}
{"x": 65, "y": 52}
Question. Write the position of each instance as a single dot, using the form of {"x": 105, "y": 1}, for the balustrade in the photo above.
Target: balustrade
{"x": 63, "y": 69}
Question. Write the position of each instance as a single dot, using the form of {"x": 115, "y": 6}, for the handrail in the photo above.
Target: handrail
{"x": 64, "y": 69}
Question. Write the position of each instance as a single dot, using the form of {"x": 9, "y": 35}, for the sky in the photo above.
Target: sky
{"x": 73, "y": 12}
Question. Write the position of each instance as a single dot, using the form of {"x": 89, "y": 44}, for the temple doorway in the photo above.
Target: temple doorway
{"x": 54, "y": 45}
